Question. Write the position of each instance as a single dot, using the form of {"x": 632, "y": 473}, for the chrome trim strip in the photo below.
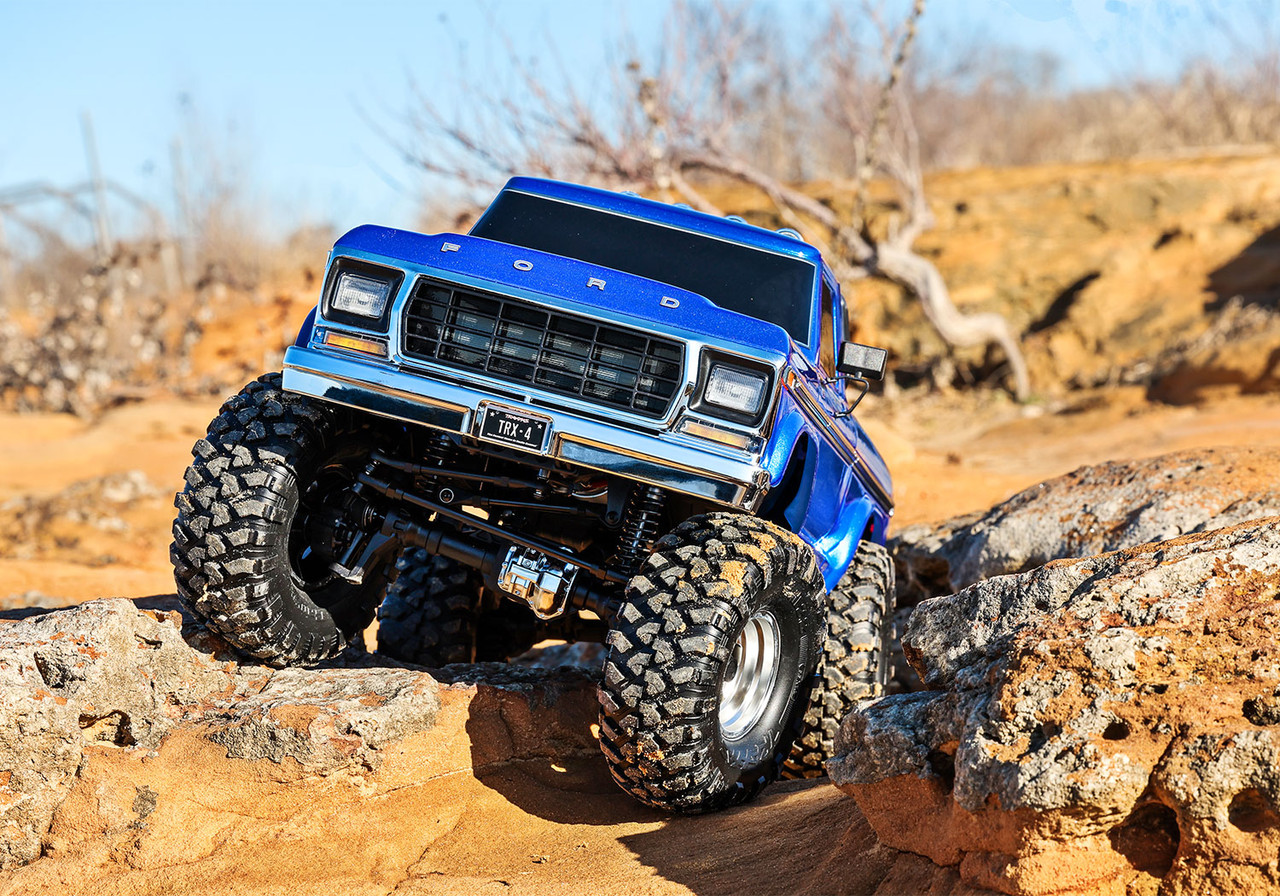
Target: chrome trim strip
{"x": 696, "y": 481}
{"x": 379, "y": 387}
{"x": 847, "y": 449}
{"x": 371, "y": 395}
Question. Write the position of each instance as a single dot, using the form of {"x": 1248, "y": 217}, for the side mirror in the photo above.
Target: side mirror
{"x": 863, "y": 362}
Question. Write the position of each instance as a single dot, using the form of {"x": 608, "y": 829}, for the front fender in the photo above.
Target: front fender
{"x": 308, "y": 324}
{"x": 789, "y": 424}
{"x": 836, "y": 549}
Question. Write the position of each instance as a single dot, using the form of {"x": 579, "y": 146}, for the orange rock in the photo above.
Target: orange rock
{"x": 1096, "y": 725}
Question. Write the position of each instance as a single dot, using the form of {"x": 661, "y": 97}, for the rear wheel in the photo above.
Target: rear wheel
{"x": 710, "y": 663}
{"x": 855, "y": 660}
{"x": 434, "y": 615}
{"x": 255, "y": 532}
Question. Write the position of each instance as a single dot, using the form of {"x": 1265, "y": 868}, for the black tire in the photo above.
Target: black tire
{"x": 707, "y": 583}
{"x": 432, "y": 616}
{"x": 855, "y": 660}
{"x": 240, "y": 560}
{"x": 905, "y": 679}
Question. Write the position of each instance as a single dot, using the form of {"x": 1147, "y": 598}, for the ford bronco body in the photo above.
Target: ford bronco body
{"x": 593, "y": 417}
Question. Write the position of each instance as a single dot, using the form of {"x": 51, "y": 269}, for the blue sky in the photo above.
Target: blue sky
{"x": 281, "y": 88}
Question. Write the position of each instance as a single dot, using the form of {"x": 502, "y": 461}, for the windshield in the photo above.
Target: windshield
{"x": 755, "y": 282}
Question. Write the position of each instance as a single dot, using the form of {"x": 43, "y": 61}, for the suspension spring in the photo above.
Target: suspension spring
{"x": 439, "y": 451}
{"x": 639, "y": 527}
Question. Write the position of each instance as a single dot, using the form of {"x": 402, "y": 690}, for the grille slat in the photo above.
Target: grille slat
{"x": 519, "y": 342}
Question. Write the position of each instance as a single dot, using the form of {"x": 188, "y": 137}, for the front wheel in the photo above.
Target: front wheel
{"x": 710, "y": 663}
{"x": 253, "y": 539}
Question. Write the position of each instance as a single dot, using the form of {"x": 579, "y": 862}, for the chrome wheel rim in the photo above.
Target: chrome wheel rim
{"x": 749, "y": 675}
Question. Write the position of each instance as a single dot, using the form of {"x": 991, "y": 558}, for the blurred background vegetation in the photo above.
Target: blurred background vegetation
{"x": 106, "y": 297}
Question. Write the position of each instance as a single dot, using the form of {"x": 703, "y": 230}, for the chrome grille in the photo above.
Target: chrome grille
{"x": 523, "y": 343}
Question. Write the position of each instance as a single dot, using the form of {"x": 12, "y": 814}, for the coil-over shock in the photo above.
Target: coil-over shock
{"x": 640, "y": 526}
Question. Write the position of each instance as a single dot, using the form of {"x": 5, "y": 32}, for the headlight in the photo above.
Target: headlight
{"x": 740, "y": 391}
{"x": 360, "y": 295}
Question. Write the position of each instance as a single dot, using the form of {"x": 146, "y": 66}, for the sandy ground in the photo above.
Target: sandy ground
{"x": 123, "y": 552}
{"x": 945, "y": 462}
{"x": 531, "y": 827}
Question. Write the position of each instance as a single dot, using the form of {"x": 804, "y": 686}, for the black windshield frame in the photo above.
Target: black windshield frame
{"x": 758, "y": 283}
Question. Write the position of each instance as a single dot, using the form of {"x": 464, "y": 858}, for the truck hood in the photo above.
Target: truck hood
{"x": 571, "y": 284}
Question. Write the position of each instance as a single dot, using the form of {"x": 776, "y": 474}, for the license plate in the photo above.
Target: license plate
{"x": 515, "y": 428}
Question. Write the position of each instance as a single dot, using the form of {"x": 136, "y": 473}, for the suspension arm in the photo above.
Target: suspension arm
{"x": 502, "y": 504}
{"x": 386, "y": 489}
{"x": 397, "y": 533}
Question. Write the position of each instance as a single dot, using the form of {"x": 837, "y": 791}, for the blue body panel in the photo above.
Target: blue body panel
{"x": 837, "y": 503}
{"x": 565, "y": 280}
{"x": 831, "y": 486}
{"x": 307, "y": 328}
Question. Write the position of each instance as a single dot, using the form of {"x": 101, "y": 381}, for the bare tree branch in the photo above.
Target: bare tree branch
{"x": 714, "y": 104}
{"x": 887, "y": 95}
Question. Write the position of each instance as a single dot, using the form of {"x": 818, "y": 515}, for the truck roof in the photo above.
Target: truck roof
{"x": 669, "y": 215}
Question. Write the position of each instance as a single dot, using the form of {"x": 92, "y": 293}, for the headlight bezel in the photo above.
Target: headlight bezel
{"x": 709, "y": 360}
{"x": 393, "y": 277}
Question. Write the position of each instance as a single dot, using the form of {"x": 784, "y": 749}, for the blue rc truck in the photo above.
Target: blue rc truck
{"x": 594, "y": 417}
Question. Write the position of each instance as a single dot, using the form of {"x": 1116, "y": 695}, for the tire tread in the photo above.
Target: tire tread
{"x": 855, "y": 661}
{"x": 670, "y": 637}
{"x": 229, "y": 513}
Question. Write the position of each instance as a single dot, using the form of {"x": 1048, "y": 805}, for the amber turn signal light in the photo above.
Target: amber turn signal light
{"x": 356, "y": 343}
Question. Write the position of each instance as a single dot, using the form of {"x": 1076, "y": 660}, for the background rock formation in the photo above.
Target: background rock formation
{"x": 1096, "y": 725}
{"x": 1089, "y": 511}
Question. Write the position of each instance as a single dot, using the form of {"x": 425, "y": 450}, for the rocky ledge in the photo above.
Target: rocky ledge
{"x": 124, "y": 730}
{"x": 138, "y": 757}
{"x": 1096, "y": 725}
{"x": 1088, "y": 512}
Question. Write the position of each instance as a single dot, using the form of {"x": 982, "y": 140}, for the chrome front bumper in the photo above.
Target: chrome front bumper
{"x": 381, "y": 388}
